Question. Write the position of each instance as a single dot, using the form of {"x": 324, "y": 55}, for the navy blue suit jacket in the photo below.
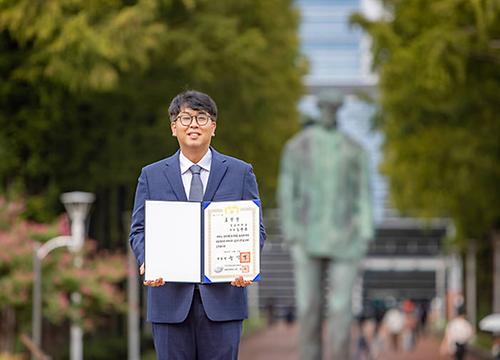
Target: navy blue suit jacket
{"x": 229, "y": 179}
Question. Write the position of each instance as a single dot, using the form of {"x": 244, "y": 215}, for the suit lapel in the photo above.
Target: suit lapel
{"x": 217, "y": 171}
{"x": 173, "y": 173}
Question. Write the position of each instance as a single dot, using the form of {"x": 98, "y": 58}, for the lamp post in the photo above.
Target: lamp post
{"x": 77, "y": 206}
{"x": 133, "y": 317}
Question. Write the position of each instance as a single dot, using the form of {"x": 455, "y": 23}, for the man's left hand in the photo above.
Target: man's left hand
{"x": 240, "y": 282}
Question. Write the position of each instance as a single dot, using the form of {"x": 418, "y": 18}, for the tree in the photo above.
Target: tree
{"x": 82, "y": 44}
{"x": 85, "y": 86}
{"x": 439, "y": 66}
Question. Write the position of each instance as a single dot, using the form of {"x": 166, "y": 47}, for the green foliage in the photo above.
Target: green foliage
{"x": 85, "y": 86}
{"x": 101, "y": 345}
{"x": 439, "y": 66}
{"x": 82, "y": 44}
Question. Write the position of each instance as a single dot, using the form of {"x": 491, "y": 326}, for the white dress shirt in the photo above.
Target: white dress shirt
{"x": 186, "y": 175}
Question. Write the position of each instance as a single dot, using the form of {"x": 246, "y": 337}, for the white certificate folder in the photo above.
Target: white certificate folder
{"x": 202, "y": 242}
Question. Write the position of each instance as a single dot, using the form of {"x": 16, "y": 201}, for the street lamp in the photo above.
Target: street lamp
{"x": 77, "y": 206}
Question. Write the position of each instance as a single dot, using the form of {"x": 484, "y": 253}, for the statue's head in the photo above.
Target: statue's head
{"x": 308, "y": 119}
{"x": 329, "y": 102}
{"x": 309, "y": 111}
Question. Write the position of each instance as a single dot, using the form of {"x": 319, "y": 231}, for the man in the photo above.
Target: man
{"x": 324, "y": 198}
{"x": 194, "y": 321}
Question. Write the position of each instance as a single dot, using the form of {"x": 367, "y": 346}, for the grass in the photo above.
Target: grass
{"x": 253, "y": 324}
{"x": 483, "y": 340}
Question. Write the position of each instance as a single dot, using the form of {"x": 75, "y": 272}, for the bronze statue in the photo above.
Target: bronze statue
{"x": 326, "y": 212}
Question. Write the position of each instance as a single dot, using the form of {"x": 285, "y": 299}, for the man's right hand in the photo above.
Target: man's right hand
{"x": 157, "y": 282}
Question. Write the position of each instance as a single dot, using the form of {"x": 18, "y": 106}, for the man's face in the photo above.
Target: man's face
{"x": 193, "y": 136}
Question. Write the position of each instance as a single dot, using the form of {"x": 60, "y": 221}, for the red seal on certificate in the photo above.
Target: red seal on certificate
{"x": 245, "y": 257}
{"x": 245, "y": 268}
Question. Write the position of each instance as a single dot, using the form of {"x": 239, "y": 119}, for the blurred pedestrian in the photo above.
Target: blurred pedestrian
{"x": 270, "y": 311}
{"x": 495, "y": 349}
{"x": 410, "y": 326}
{"x": 290, "y": 315}
{"x": 362, "y": 344}
{"x": 422, "y": 313}
{"x": 394, "y": 322}
{"x": 379, "y": 310}
{"x": 458, "y": 333}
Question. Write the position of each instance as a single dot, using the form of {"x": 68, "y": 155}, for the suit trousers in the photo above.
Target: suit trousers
{"x": 197, "y": 337}
{"x": 312, "y": 276}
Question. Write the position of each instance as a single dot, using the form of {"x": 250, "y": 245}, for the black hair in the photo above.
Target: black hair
{"x": 193, "y": 99}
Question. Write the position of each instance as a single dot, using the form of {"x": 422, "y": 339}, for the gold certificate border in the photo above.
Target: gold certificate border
{"x": 255, "y": 212}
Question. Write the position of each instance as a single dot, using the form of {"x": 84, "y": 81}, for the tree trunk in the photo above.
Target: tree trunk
{"x": 113, "y": 216}
{"x": 496, "y": 270}
{"x": 470, "y": 282}
{"x": 455, "y": 296}
{"x": 7, "y": 329}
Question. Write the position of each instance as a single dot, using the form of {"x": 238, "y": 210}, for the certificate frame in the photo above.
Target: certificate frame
{"x": 227, "y": 253}
{"x": 180, "y": 240}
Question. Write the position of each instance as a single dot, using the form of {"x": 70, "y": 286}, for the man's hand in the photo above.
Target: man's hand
{"x": 157, "y": 282}
{"x": 240, "y": 282}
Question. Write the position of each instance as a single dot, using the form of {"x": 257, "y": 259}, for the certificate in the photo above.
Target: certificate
{"x": 194, "y": 242}
{"x": 232, "y": 245}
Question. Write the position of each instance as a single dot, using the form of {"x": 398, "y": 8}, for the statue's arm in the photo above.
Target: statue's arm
{"x": 285, "y": 194}
{"x": 366, "y": 201}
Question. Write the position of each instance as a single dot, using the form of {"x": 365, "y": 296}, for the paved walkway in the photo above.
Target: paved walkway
{"x": 280, "y": 342}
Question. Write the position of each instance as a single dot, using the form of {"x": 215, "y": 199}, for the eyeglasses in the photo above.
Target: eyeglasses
{"x": 187, "y": 119}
